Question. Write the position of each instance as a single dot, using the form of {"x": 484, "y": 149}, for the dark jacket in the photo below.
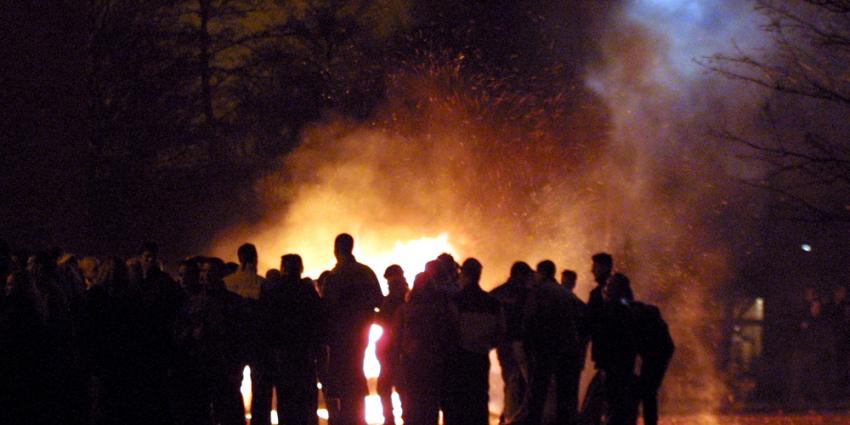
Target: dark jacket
{"x": 595, "y": 311}
{"x": 426, "y": 329}
{"x": 211, "y": 328}
{"x": 549, "y": 323}
{"x": 512, "y": 296}
{"x": 481, "y": 324}
{"x": 289, "y": 314}
{"x": 351, "y": 294}
{"x": 615, "y": 347}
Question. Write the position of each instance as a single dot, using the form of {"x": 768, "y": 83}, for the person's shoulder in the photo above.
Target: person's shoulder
{"x": 363, "y": 268}
{"x": 306, "y": 285}
{"x": 501, "y": 290}
{"x": 575, "y": 299}
{"x": 644, "y": 307}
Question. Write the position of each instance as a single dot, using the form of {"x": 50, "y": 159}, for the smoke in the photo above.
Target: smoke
{"x": 448, "y": 154}
{"x": 677, "y": 185}
{"x": 555, "y": 173}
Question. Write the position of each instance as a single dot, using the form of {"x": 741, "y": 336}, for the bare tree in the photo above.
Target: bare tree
{"x": 804, "y": 141}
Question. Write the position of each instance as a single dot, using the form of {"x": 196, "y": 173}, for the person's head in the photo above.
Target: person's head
{"x": 247, "y": 254}
{"x": 470, "y": 273}
{"x": 618, "y": 287}
{"x": 230, "y": 268}
{"x": 522, "y": 273}
{"x": 546, "y": 271}
{"x": 17, "y": 283}
{"x": 113, "y": 274}
{"x": 134, "y": 271}
{"x": 448, "y": 267}
{"x": 322, "y": 282}
{"x": 148, "y": 256}
{"x": 433, "y": 268}
{"x": 396, "y": 282}
{"x": 41, "y": 265}
{"x": 291, "y": 266}
{"x": 273, "y": 275}
{"x": 568, "y": 279}
{"x": 188, "y": 273}
{"x": 88, "y": 268}
{"x": 603, "y": 265}
{"x": 212, "y": 271}
{"x": 343, "y": 246}
{"x": 423, "y": 287}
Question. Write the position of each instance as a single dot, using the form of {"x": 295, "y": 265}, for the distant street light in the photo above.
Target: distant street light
{"x": 806, "y": 247}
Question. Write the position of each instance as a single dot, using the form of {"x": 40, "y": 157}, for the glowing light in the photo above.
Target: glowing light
{"x": 322, "y": 414}
{"x": 806, "y": 247}
{"x": 412, "y": 255}
{"x": 375, "y": 411}
{"x": 371, "y": 366}
{"x": 245, "y": 389}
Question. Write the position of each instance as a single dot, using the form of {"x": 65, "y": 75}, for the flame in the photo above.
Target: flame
{"x": 371, "y": 366}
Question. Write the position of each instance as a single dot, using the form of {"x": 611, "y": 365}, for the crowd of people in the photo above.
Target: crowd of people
{"x": 87, "y": 340}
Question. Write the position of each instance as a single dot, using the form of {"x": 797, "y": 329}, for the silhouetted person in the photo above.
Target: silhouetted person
{"x": 579, "y": 313}
{"x": 211, "y": 328}
{"x": 74, "y": 396}
{"x": 603, "y": 265}
{"x": 387, "y": 346}
{"x": 426, "y": 328}
{"x": 88, "y": 269}
{"x": 272, "y": 275}
{"x": 351, "y": 294}
{"x": 24, "y": 392}
{"x": 189, "y": 276}
{"x": 245, "y": 281}
{"x": 552, "y": 345}
{"x": 59, "y": 347}
{"x": 617, "y": 350}
{"x": 813, "y": 354}
{"x": 446, "y": 274}
{"x": 480, "y": 329}
{"x": 594, "y": 399}
{"x": 289, "y": 313}
{"x": 184, "y": 378}
{"x": 113, "y": 324}
{"x": 161, "y": 299}
{"x": 512, "y": 295}
{"x": 655, "y": 347}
